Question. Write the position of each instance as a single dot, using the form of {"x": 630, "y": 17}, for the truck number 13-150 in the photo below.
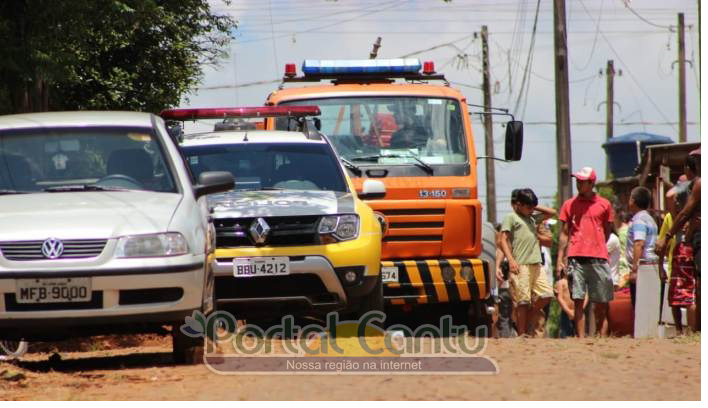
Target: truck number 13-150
{"x": 432, "y": 193}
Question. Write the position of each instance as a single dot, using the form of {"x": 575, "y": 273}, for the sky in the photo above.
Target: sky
{"x": 638, "y": 35}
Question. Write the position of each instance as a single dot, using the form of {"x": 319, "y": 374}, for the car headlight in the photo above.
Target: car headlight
{"x": 340, "y": 227}
{"x": 142, "y": 246}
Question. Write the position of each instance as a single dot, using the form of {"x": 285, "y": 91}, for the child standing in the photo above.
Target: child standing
{"x": 530, "y": 290}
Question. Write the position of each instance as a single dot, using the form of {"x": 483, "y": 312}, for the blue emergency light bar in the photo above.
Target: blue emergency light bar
{"x": 353, "y": 67}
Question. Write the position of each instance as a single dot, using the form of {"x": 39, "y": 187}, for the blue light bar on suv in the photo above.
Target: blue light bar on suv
{"x": 353, "y": 67}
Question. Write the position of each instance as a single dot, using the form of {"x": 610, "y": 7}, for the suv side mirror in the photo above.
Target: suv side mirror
{"x": 372, "y": 189}
{"x": 211, "y": 182}
{"x": 514, "y": 142}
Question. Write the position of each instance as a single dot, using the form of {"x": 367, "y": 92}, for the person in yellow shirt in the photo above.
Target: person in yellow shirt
{"x": 666, "y": 225}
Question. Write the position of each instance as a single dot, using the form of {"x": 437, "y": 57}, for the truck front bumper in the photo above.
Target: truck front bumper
{"x": 438, "y": 281}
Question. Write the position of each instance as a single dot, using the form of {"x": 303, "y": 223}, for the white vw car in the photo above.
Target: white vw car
{"x": 102, "y": 230}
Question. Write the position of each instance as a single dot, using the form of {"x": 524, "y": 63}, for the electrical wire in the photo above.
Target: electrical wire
{"x": 525, "y": 81}
{"x": 694, "y": 68}
{"x": 388, "y": 6}
{"x": 594, "y": 43}
{"x": 517, "y": 45}
{"x": 272, "y": 33}
{"x": 626, "y": 5}
{"x": 629, "y": 71}
{"x": 435, "y": 47}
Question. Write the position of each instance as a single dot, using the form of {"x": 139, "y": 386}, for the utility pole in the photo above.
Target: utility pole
{"x": 682, "y": 80}
{"x": 375, "y": 51}
{"x": 488, "y": 135}
{"x": 563, "y": 154}
{"x": 609, "y": 107}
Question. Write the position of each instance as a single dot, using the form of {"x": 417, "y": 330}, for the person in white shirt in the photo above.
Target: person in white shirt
{"x": 613, "y": 250}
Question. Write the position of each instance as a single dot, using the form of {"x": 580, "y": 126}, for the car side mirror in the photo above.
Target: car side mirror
{"x": 514, "y": 142}
{"x": 373, "y": 189}
{"x": 211, "y": 182}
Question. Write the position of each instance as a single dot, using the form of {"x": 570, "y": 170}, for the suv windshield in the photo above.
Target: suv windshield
{"x": 82, "y": 159}
{"x": 258, "y": 166}
{"x": 392, "y": 130}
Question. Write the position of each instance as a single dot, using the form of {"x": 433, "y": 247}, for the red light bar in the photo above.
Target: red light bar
{"x": 428, "y": 67}
{"x": 246, "y": 112}
{"x": 290, "y": 70}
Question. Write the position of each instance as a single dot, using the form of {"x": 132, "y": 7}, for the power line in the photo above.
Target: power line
{"x": 386, "y": 7}
{"x": 272, "y": 33}
{"x": 309, "y": 17}
{"x": 545, "y": 78}
{"x": 435, "y": 47}
{"x": 525, "y": 81}
{"x": 594, "y": 42}
{"x": 317, "y": 30}
{"x": 516, "y": 44}
{"x": 243, "y": 85}
{"x": 626, "y": 5}
{"x": 626, "y": 68}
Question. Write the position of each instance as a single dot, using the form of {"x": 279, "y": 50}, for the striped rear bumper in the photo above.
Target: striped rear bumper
{"x": 421, "y": 282}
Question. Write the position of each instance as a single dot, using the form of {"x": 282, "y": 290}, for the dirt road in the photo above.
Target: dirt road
{"x": 590, "y": 369}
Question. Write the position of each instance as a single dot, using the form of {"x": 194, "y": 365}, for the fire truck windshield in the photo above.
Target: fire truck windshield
{"x": 393, "y": 130}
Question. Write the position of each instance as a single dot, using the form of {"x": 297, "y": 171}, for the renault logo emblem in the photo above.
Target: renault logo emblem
{"x": 259, "y": 230}
{"x": 52, "y": 248}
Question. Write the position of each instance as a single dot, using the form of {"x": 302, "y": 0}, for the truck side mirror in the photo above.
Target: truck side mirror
{"x": 372, "y": 189}
{"x": 514, "y": 142}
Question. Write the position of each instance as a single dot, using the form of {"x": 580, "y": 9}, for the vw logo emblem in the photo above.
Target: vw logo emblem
{"x": 52, "y": 248}
{"x": 259, "y": 230}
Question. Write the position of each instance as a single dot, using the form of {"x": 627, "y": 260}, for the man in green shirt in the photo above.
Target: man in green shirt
{"x": 530, "y": 290}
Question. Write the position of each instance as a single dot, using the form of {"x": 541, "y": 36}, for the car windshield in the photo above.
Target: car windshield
{"x": 258, "y": 166}
{"x": 82, "y": 159}
{"x": 392, "y": 130}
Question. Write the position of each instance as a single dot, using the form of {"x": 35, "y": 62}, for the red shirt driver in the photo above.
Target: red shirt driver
{"x": 582, "y": 254}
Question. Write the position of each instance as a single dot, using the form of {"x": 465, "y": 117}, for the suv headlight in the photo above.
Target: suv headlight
{"x": 143, "y": 246}
{"x": 339, "y": 227}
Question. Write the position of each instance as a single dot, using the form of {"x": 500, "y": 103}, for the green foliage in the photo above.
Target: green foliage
{"x": 105, "y": 54}
{"x": 607, "y": 192}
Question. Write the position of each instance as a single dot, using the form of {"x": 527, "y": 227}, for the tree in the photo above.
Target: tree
{"x": 106, "y": 54}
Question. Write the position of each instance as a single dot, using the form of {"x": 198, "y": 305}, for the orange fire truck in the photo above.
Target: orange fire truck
{"x": 411, "y": 130}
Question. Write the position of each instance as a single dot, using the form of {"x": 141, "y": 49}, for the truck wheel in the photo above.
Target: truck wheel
{"x": 479, "y": 320}
{"x": 185, "y": 349}
{"x": 12, "y": 348}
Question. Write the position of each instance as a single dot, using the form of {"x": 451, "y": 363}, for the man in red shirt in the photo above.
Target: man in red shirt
{"x": 586, "y": 222}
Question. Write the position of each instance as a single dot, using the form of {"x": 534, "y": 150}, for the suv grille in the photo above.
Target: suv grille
{"x": 284, "y": 231}
{"x": 32, "y": 250}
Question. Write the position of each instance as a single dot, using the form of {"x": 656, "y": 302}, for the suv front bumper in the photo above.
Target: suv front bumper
{"x": 312, "y": 285}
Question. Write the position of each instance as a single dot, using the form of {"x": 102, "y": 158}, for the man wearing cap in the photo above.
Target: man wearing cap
{"x": 586, "y": 224}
